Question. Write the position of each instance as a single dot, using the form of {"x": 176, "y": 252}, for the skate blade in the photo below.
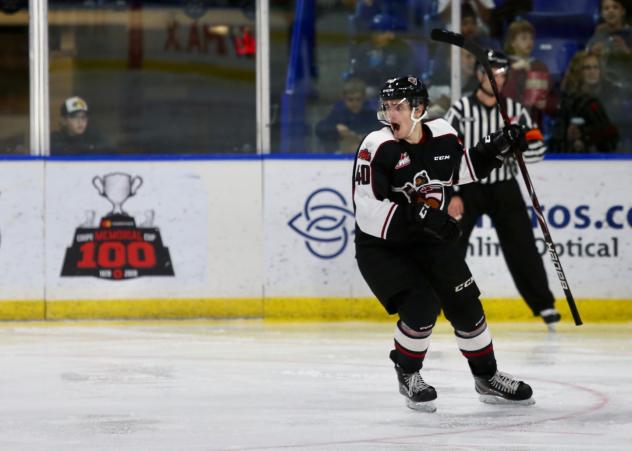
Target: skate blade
{"x": 498, "y": 400}
{"x": 427, "y": 406}
{"x": 551, "y": 327}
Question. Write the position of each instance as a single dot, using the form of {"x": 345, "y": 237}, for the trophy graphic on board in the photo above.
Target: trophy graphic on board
{"x": 117, "y": 249}
{"x": 117, "y": 188}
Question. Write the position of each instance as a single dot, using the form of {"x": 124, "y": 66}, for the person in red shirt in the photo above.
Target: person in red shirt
{"x": 528, "y": 81}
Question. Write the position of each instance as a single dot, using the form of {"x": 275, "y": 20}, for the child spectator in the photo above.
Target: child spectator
{"x": 74, "y": 136}
{"x": 528, "y": 81}
{"x": 348, "y": 121}
{"x": 583, "y": 124}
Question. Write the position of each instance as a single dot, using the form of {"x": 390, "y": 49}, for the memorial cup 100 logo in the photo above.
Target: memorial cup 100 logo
{"x": 117, "y": 248}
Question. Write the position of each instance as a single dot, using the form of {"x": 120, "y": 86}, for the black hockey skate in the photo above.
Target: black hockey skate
{"x": 550, "y": 316}
{"x": 419, "y": 395}
{"x": 502, "y": 388}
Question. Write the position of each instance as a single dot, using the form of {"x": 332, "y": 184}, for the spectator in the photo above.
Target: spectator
{"x": 482, "y": 11}
{"x": 440, "y": 79}
{"x": 348, "y": 121}
{"x": 470, "y": 29}
{"x": 74, "y": 136}
{"x": 582, "y": 123}
{"x": 612, "y": 41}
{"x": 441, "y": 93}
{"x": 385, "y": 54}
{"x": 528, "y": 80}
{"x": 504, "y": 13}
{"x": 498, "y": 195}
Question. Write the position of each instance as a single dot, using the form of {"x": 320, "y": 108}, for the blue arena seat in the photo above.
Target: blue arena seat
{"x": 588, "y": 7}
{"x": 555, "y": 53}
{"x": 421, "y": 55}
{"x": 562, "y": 25}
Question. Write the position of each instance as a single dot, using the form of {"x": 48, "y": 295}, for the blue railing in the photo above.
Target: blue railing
{"x": 298, "y": 83}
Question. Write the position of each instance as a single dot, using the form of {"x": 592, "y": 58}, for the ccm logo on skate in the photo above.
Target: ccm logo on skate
{"x": 465, "y": 284}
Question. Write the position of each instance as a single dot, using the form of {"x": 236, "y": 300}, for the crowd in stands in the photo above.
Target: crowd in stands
{"x": 569, "y": 66}
{"x": 574, "y": 85}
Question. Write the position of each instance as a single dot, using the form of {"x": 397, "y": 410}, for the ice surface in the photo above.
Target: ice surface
{"x": 255, "y": 385}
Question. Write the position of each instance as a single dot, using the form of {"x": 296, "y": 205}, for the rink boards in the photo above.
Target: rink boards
{"x": 266, "y": 237}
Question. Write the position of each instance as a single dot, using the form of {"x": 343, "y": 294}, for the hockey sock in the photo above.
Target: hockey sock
{"x": 410, "y": 346}
{"x": 476, "y": 346}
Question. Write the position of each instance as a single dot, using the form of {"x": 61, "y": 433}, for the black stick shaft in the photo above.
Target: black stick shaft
{"x": 480, "y": 54}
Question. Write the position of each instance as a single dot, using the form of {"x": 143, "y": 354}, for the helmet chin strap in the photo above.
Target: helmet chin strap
{"x": 416, "y": 121}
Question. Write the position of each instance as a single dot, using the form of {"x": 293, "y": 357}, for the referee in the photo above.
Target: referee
{"x": 499, "y": 196}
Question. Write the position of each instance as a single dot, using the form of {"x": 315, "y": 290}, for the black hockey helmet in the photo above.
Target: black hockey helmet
{"x": 407, "y": 87}
{"x": 497, "y": 60}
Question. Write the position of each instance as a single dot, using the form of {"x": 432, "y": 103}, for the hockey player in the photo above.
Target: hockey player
{"x": 405, "y": 238}
{"x": 498, "y": 195}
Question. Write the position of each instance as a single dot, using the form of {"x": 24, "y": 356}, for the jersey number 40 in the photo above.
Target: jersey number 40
{"x": 363, "y": 175}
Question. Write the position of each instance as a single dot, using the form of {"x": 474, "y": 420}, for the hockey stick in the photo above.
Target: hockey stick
{"x": 480, "y": 54}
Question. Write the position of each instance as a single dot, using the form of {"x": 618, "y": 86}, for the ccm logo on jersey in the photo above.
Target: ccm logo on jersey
{"x": 364, "y": 154}
{"x": 465, "y": 284}
{"x": 442, "y": 157}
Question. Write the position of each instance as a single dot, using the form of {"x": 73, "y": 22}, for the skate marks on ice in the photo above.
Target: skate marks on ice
{"x": 253, "y": 385}
{"x": 461, "y": 421}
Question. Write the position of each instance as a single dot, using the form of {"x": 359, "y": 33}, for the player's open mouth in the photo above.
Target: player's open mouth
{"x": 395, "y": 127}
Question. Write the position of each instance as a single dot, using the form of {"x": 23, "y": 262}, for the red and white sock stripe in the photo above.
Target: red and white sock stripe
{"x": 409, "y": 345}
{"x": 476, "y": 343}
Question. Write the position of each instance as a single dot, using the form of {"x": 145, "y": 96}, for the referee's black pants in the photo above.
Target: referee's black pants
{"x": 504, "y": 204}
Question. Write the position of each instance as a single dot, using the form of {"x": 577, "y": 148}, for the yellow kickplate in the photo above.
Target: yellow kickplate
{"x": 293, "y": 309}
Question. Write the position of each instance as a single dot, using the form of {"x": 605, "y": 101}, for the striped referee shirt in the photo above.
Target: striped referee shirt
{"x": 473, "y": 121}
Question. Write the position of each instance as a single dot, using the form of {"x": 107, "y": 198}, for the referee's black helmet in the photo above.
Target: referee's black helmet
{"x": 497, "y": 60}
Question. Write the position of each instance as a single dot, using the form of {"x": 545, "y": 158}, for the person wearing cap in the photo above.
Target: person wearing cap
{"x": 74, "y": 137}
{"x": 498, "y": 195}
